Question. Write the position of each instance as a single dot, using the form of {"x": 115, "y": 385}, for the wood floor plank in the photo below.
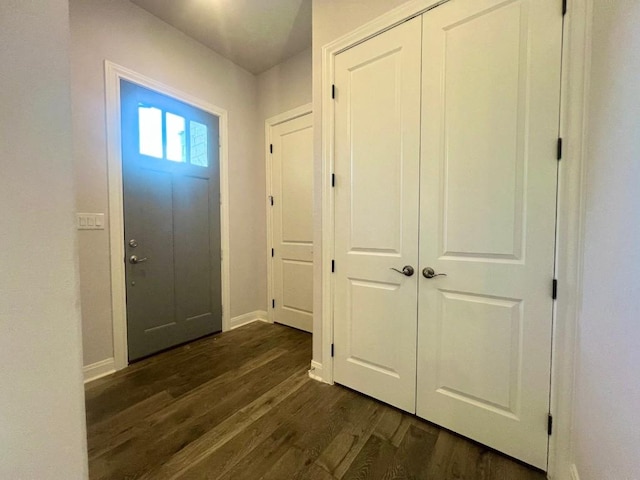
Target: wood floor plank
{"x": 412, "y": 458}
{"x": 504, "y": 468}
{"x": 223, "y": 459}
{"x": 174, "y": 427}
{"x": 290, "y": 414}
{"x": 372, "y": 461}
{"x": 209, "y": 442}
{"x": 346, "y": 446}
{"x": 455, "y": 458}
{"x": 240, "y": 405}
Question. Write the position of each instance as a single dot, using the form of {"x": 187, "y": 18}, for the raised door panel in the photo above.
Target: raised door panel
{"x": 376, "y": 211}
{"x": 491, "y": 82}
{"x": 292, "y": 189}
{"x": 150, "y": 289}
{"x": 194, "y": 259}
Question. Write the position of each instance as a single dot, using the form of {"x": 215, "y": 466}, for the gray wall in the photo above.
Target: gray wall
{"x": 42, "y": 426}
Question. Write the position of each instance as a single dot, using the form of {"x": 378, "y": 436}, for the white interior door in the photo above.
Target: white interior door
{"x": 377, "y": 145}
{"x": 491, "y": 83}
{"x": 292, "y": 210}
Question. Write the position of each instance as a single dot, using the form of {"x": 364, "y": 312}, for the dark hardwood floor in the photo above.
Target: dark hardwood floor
{"x": 240, "y": 405}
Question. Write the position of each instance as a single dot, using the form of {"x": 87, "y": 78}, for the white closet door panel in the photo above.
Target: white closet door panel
{"x": 292, "y": 188}
{"x": 376, "y": 210}
{"x": 491, "y": 82}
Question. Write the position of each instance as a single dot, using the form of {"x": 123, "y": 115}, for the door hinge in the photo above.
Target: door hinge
{"x": 559, "y": 149}
{"x": 273, "y": 252}
{"x": 554, "y": 289}
{"x": 271, "y": 200}
{"x": 564, "y": 7}
{"x": 333, "y": 266}
{"x": 273, "y": 303}
{"x": 333, "y": 179}
{"x": 271, "y": 148}
{"x": 332, "y": 350}
{"x": 549, "y": 424}
{"x": 333, "y": 91}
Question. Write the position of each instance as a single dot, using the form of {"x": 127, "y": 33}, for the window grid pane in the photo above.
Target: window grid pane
{"x": 199, "y": 147}
{"x": 176, "y": 138}
{"x": 150, "y": 127}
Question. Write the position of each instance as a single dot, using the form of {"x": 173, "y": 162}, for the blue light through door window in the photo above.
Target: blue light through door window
{"x": 150, "y": 127}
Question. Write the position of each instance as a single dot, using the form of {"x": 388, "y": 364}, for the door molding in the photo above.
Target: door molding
{"x": 570, "y": 217}
{"x": 113, "y": 74}
{"x": 268, "y": 125}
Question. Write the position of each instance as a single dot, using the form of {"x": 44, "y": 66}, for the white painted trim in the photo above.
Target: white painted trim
{"x": 315, "y": 372}
{"x": 570, "y": 231}
{"x": 576, "y": 58}
{"x": 113, "y": 74}
{"x": 99, "y": 369}
{"x": 329, "y": 52}
{"x": 247, "y": 318}
{"x": 289, "y": 115}
{"x": 268, "y": 139}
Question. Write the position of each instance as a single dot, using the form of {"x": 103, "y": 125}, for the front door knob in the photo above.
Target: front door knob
{"x": 135, "y": 260}
{"x": 429, "y": 272}
{"x": 406, "y": 270}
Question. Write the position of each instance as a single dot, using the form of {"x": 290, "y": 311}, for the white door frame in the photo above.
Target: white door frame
{"x": 113, "y": 74}
{"x": 571, "y": 208}
{"x": 268, "y": 126}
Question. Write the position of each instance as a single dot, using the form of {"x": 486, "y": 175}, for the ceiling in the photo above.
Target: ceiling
{"x": 255, "y": 34}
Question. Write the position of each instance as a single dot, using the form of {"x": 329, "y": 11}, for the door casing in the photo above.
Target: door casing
{"x": 113, "y": 74}
{"x": 576, "y": 54}
{"x": 268, "y": 125}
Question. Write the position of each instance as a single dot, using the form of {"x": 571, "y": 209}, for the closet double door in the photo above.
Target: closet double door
{"x": 446, "y": 130}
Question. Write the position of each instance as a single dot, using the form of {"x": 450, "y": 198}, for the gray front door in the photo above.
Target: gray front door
{"x": 172, "y": 221}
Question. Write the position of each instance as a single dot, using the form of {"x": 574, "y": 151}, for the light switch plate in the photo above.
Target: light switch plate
{"x": 90, "y": 221}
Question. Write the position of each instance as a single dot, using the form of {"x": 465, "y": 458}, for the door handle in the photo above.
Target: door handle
{"x": 135, "y": 260}
{"x": 406, "y": 270}
{"x": 429, "y": 272}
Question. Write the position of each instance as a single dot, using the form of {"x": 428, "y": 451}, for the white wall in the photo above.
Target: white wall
{"x": 42, "y": 426}
{"x": 125, "y": 34}
{"x": 606, "y": 437}
{"x": 285, "y": 86}
{"x": 331, "y": 20}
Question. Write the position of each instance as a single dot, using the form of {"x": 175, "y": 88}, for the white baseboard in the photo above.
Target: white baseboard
{"x": 315, "y": 372}
{"x": 574, "y": 472}
{"x": 241, "y": 320}
{"x": 99, "y": 369}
